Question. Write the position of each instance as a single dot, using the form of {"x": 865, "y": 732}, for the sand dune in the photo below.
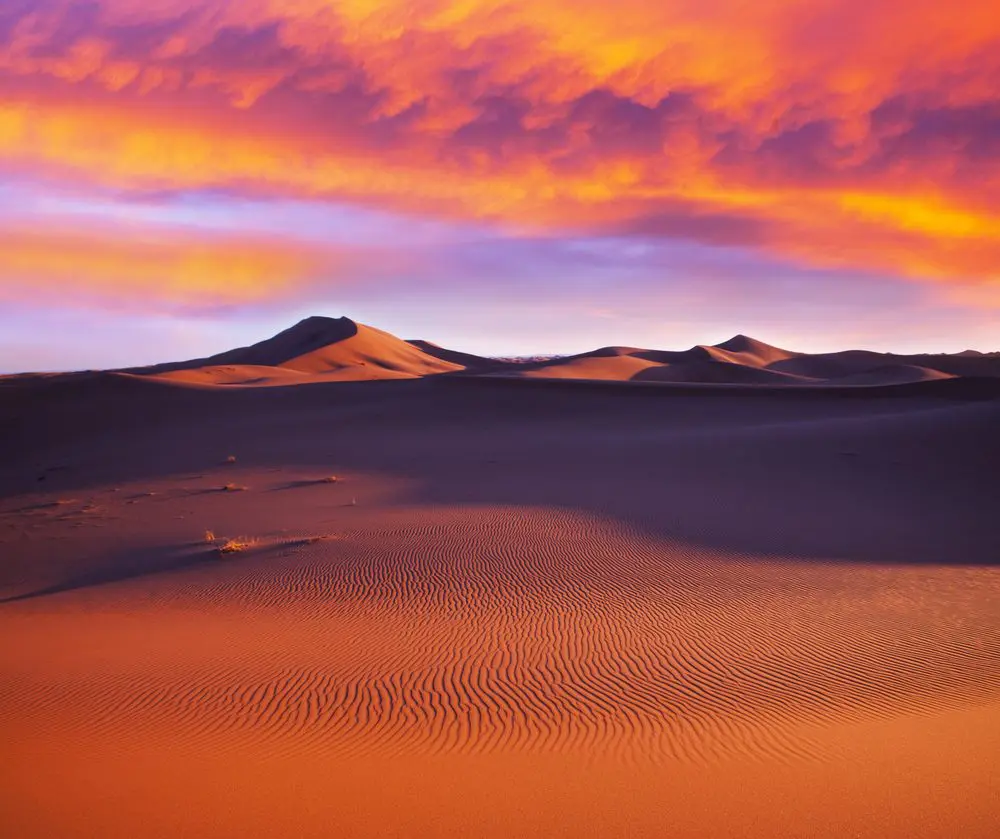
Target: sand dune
{"x": 335, "y": 349}
{"x": 892, "y": 374}
{"x": 855, "y": 362}
{"x": 463, "y": 359}
{"x": 746, "y": 361}
{"x": 597, "y": 367}
{"x": 339, "y": 349}
{"x": 745, "y": 350}
{"x": 232, "y": 374}
{"x": 471, "y": 605}
{"x": 250, "y": 375}
{"x": 320, "y": 345}
{"x": 716, "y": 372}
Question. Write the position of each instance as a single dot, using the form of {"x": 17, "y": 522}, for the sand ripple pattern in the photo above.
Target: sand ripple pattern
{"x": 492, "y": 629}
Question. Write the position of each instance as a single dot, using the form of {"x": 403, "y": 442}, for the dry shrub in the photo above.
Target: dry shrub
{"x": 235, "y": 546}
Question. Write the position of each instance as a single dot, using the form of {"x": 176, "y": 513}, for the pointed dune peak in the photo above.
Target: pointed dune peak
{"x": 330, "y": 329}
{"x": 323, "y": 345}
{"x": 311, "y": 334}
{"x": 746, "y": 350}
{"x": 307, "y": 336}
{"x": 743, "y": 343}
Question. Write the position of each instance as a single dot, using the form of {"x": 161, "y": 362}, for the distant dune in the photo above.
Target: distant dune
{"x": 321, "y": 349}
{"x": 741, "y": 349}
{"x": 717, "y": 372}
{"x": 892, "y": 374}
{"x": 597, "y": 366}
{"x": 465, "y": 360}
{"x": 745, "y": 361}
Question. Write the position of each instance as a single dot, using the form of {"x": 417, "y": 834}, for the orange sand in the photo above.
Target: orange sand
{"x": 518, "y": 611}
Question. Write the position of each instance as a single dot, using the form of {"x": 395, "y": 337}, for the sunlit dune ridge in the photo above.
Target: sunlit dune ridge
{"x": 339, "y": 349}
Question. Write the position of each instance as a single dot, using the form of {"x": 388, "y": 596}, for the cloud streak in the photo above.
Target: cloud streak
{"x": 154, "y": 267}
{"x": 833, "y": 134}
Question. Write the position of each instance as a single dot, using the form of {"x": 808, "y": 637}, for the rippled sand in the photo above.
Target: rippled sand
{"x": 566, "y": 614}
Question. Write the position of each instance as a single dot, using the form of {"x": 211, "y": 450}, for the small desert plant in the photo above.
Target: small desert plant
{"x": 233, "y": 488}
{"x": 235, "y": 546}
{"x": 230, "y": 459}
{"x": 330, "y": 479}
{"x": 209, "y": 537}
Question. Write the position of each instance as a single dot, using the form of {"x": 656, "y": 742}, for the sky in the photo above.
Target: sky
{"x": 179, "y": 177}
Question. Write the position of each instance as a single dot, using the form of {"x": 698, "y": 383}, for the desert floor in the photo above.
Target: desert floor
{"x": 519, "y": 610}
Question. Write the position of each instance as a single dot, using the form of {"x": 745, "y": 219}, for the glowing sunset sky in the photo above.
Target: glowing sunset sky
{"x": 183, "y": 176}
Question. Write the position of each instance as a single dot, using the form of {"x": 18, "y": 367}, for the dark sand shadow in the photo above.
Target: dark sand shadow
{"x": 762, "y": 471}
{"x": 127, "y": 565}
{"x": 306, "y": 483}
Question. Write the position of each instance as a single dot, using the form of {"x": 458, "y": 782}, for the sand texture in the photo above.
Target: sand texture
{"x": 489, "y": 603}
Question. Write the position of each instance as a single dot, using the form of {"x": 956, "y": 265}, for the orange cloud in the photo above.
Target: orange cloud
{"x": 842, "y": 133}
{"x": 151, "y": 267}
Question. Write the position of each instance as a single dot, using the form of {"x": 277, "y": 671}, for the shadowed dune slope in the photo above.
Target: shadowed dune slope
{"x": 892, "y": 374}
{"x": 741, "y": 349}
{"x": 463, "y": 359}
{"x": 716, "y": 372}
{"x": 854, "y": 362}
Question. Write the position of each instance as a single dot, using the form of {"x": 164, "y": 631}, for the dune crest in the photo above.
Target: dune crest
{"x": 337, "y": 349}
{"x": 742, "y": 349}
{"x": 319, "y": 349}
{"x": 746, "y": 361}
